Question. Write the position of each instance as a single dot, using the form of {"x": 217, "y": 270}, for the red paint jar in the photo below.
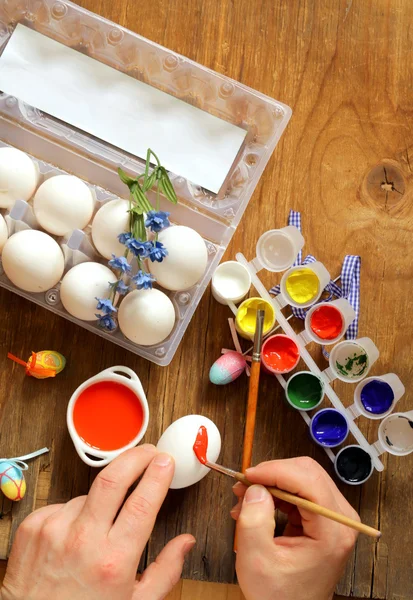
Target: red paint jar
{"x": 280, "y": 354}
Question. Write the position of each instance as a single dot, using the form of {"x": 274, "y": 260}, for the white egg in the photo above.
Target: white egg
{"x": 110, "y": 221}
{"x": 178, "y": 441}
{"x": 82, "y": 285}
{"x": 4, "y": 233}
{"x": 186, "y": 261}
{"x": 19, "y": 176}
{"x": 146, "y": 317}
{"x": 33, "y": 260}
{"x": 63, "y": 203}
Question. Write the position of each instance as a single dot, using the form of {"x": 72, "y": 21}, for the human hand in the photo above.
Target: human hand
{"x": 308, "y": 560}
{"x": 83, "y": 550}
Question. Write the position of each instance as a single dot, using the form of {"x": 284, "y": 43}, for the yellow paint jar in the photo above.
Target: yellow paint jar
{"x": 247, "y": 315}
{"x": 302, "y": 285}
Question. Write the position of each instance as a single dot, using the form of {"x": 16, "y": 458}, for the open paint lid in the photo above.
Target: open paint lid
{"x": 277, "y": 249}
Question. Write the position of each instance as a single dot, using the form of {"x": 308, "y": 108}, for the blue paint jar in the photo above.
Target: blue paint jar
{"x": 376, "y": 397}
{"x": 329, "y": 427}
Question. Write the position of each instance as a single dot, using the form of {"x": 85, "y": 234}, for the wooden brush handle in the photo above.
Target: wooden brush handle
{"x": 251, "y": 415}
{"x": 315, "y": 508}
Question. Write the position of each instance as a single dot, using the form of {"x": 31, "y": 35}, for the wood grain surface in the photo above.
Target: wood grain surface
{"x": 345, "y": 68}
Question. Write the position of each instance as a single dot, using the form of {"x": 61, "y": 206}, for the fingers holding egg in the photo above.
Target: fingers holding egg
{"x": 178, "y": 441}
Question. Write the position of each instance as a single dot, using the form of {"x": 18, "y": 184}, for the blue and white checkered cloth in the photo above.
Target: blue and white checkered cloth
{"x": 350, "y": 281}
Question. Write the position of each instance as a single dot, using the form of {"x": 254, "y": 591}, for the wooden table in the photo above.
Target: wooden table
{"x": 345, "y": 68}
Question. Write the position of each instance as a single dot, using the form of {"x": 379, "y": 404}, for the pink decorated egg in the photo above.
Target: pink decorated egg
{"x": 227, "y": 368}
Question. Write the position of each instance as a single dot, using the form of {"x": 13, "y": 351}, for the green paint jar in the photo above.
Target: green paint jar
{"x": 304, "y": 391}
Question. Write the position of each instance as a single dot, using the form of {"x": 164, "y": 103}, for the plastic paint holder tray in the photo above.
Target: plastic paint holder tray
{"x": 58, "y": 147}
{"x": 326, "y": 376}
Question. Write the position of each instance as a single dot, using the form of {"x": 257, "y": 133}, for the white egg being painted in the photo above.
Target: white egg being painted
{"x": 19, "y": 176}
{"x": 63, "y": 203}
{"x": 146, "y": 317}
{"x": 82, "y": 285}
{"x": 33, "y": 261}
{"x": 186, "y": 261}
{"x": 178, "y": 441}
{"x": 110, "y": 221}
{"x": 4, "y": 233}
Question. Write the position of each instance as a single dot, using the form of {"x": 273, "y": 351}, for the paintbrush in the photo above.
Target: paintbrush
{"x": 252, "y": 397}
{"x": 300, "y": 502}
{"x": 253, "y": 392}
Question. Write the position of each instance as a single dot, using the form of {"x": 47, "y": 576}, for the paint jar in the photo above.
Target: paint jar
{"x": 303, "y": 285}
{"x": 230, "y": 282}
{"x": 329, "y": 427}
{"x": 304, "y": 391}
{"x": 376, "y": 397}
{"x": 327, "y": 322}
{"x": 351, "y": 360}
{"x": 277, "y": 249}
{"x": 280, "y": 354}
{"x": 246, "y": 317}
{"x": 396, "y": 434}
{"x": 107, "y": 415}
{"x": 353, "y": 465}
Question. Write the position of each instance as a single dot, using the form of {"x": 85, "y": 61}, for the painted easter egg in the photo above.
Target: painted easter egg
{"x": 227, "y": 368}
{"x": 12, "y": 482}
{"x": 178, "y": 441}
{"x": 45, "y": 363}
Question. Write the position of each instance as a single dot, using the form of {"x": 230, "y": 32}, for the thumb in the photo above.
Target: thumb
{"x": 256, "y": 523}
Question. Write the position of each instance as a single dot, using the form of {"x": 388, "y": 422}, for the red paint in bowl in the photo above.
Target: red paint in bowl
{"x": 107, "y": 415}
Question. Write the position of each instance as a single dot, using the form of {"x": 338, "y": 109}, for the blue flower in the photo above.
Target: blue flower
{"x": 124, "y": 237}
{"x": 157, "y": 252}
{"x": 143, "y": 280}
{"x": 120, "y": 263}
{"x": 106, "y": 322}
{"x": 138, "y": 248}
{"x": 121, "y": 287}
{"x": 157, "y": 221}
{"x": 106, "y": 306}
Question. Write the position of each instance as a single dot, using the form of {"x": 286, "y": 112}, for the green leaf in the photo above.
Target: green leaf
{"x": 168, "y": 188}
{"x": 147, "y": 185}
{"x": 124, "y": 177}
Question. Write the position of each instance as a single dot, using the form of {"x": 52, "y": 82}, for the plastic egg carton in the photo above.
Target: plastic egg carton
{"x": 327, "y": 376}
{"x": 58, "y": 147}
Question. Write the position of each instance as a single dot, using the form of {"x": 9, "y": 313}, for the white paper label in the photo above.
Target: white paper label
{"x": 118, "y": 109}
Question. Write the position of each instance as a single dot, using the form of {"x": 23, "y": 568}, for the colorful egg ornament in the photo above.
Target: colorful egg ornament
{"x": 227, "y": 368}
{"x": 12, "y": 481}
{"x": 43, "y": 364}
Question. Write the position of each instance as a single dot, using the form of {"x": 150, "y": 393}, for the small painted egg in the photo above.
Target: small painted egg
{"x": 178, "y": 441}
{"x": 19, "y": 176}
{"x": 110, "y": 221}
{"x": 46, "y": 360}
{"x": 32, "y": 260}
{"x": 82, "y": 285}
{"x": 227, "y": 368}
{"x": 63, "y": 203}
{"x": 146, "y": 317}
{"x": 12, "y": 482}
{"x": 4, "y": 233}
{"x": 186, "y": 261}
